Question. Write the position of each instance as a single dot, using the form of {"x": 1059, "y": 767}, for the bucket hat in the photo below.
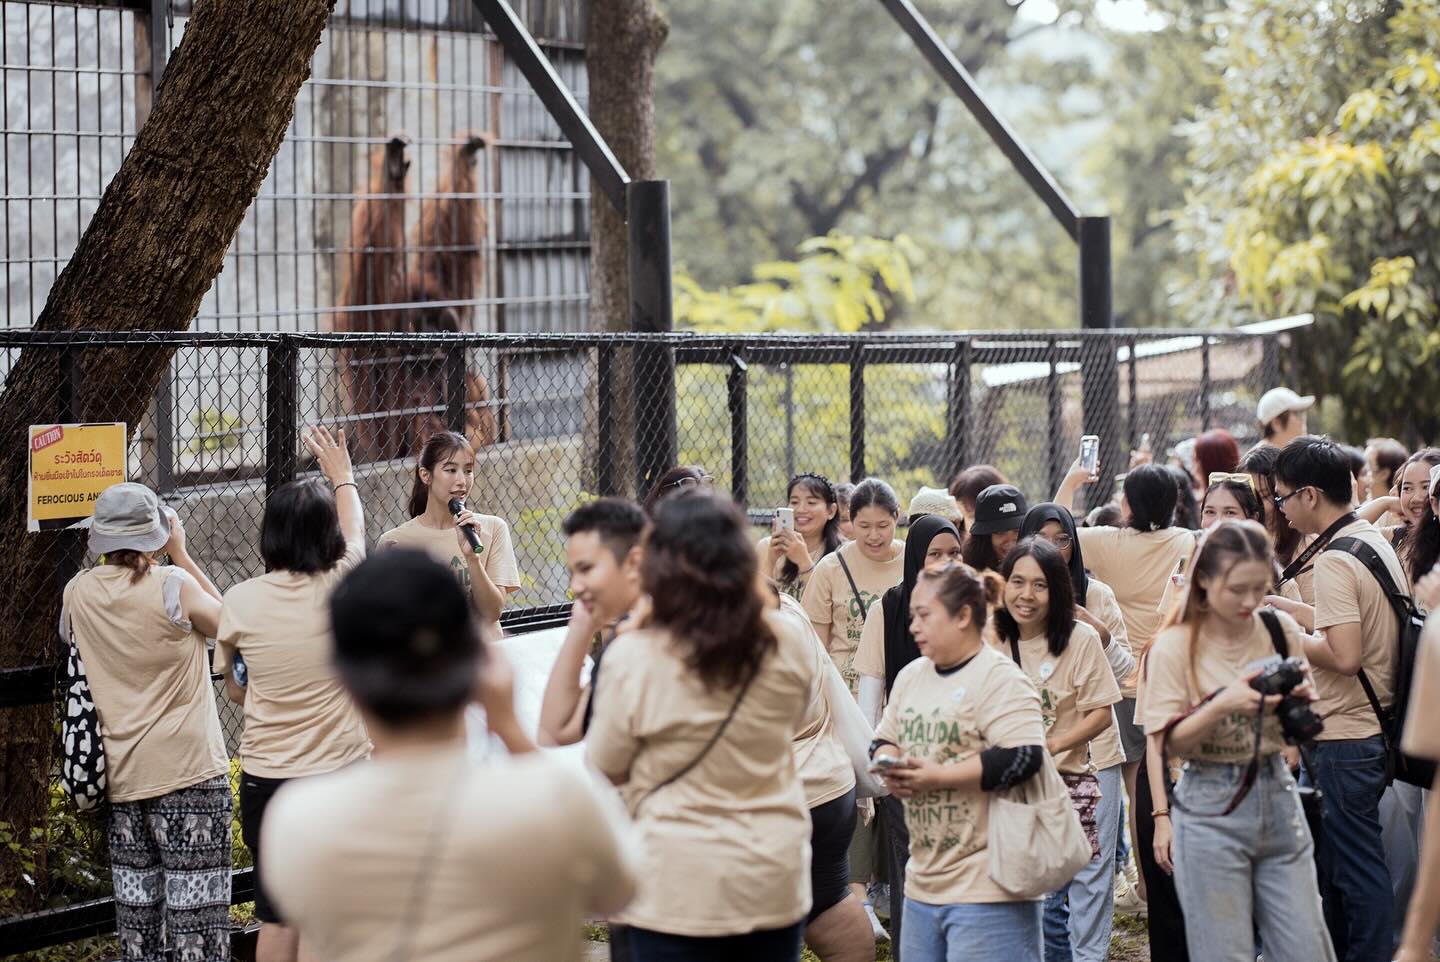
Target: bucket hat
{"x": 1000, "y": 507}
{"x": 128, "y": 517}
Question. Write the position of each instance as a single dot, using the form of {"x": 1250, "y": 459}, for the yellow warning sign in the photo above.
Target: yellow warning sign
{"x": 70, "y": 464}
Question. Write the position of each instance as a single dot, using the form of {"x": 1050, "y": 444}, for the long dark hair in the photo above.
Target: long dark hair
{"x": 1244, "y": 496}
{"x": 1187, "y": 509}
{"x": 1259, "y": 462}
{"x": 1150, "y": 491}
{"x": 821, "y": 487}
{"x": 699, "y": 571}
{"x": 1060, "y": 619}
{"x": 1419, "y": 544}
{"x": 979, "y": 552}
{"x": 436, "y": 449}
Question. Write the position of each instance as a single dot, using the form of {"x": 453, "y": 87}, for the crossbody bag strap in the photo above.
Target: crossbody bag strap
{"x": 1015, "y": 653}
{"x": 860, "y": 602}
{"x": 1277, "y": 633}
{"x": 1399, "y": 603}
{"x": 714, "y": 739}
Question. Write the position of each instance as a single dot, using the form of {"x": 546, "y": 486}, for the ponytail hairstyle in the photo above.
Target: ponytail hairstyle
{"x": 961, "y": 586}
{"x": 874, "y": 493}
{"x": 1060, "y": 620}
{"x": 1221, "y": 548}
{"x": 820, "y": 487}
{"x": 700, "y": 571}
{"x": 436, "y": 449}
{"x": 138, "y": 562}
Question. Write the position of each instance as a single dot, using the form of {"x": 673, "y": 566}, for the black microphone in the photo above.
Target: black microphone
{"x": 471, "y": 535}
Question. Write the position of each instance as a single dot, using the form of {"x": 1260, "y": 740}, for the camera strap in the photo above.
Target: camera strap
{"x": 1302, "y": 563}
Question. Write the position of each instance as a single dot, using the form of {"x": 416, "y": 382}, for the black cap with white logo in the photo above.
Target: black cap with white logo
{"x": 1000, "y": 507}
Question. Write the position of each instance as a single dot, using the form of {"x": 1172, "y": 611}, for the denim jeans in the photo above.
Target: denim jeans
{"x": 1079, "y": 917}
{"x": 1351, "y": 775}
{"x": 1402, "y": 811}
{"x": 1250, "y": 870}
{"x": 973, "y": 932}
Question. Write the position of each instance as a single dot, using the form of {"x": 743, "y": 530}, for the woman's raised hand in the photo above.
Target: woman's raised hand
{"x": 331, "y": 453}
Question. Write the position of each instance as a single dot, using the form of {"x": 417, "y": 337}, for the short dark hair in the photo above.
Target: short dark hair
{"x": 1151, "y": 493}
{"x": 407, "y": 643}
{"x": 1357, "y": 460}
{"x": 301, "y": 530}
{"x": 664, "y": 485}
{"x": 1390, "y": 454}
{"x": 969, "y": 483}
{"x": 618, "y": 522}
{"x": 1316, "y": 462}
{"x": 1060, "y": 620}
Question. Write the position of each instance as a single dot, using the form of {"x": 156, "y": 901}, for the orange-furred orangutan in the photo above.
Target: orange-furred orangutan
{"x": 375, "y": 274}
{"x": 450, "y": 243}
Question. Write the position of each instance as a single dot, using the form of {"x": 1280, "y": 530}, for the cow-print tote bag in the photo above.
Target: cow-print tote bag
{"x": 82, "y": 761}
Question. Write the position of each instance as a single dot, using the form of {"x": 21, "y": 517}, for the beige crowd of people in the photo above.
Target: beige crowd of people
{"x": 972, "y": 728}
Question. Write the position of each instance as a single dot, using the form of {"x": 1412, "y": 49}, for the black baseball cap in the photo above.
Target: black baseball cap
{"x": 1000, "y": 507}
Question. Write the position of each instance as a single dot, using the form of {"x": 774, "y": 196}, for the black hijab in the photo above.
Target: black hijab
{"x": 900, "y": 647}
{"x": 1037, "y": 518}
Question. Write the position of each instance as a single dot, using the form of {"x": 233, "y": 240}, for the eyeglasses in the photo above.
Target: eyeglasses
{"x": 1061, "y": 541}
{"x": 1280, "y": 499}
{"x": 1220, "y": 477}
{"x": 684, "y": 484}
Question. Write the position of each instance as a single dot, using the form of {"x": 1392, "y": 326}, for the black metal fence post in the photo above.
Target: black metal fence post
{"x": 737, "y": 382}
{"x": 954, "y": 452}
{"x": 281, "y": 411}
{"x": 857, "y": 413}
{"x": 455, "y": 372}
{"x": 1099, "y": 377}
{"x": 651, "y": 311}
{"x": 1133, "y": 369}
{"x": 604, "y": 421}
{"x": 1204, "y": 383}
{"x": 1055, "y": 423}
{"x": 1269, "y": 362}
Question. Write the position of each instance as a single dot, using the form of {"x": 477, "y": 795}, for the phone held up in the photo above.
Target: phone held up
{"x": 784, "y": 519}
{"x": 1090, "y": 453}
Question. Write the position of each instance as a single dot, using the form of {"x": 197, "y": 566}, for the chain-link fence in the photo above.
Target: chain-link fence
{"x": 557, "y": 419}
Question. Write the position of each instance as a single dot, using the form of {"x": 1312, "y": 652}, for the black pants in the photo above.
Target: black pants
{"x": 1167, "y": 921}
{"x": 895, "y": 845}
{"x": 768, "y": 945}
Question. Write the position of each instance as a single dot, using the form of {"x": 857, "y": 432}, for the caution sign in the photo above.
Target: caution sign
{"x": 70, "y": 464}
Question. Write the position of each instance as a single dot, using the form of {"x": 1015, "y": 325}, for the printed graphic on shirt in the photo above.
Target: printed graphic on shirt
{"x": 854, "y": 628}
{"x": 943, "y": 819}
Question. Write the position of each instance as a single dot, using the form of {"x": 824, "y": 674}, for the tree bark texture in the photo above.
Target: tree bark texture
{"x": 156, "y": 243}
{"x": 622, "y": 38}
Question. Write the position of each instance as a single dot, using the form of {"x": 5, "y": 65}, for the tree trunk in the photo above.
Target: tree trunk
{"x": 622, "y": 38}
{"x": 154, "y": 246}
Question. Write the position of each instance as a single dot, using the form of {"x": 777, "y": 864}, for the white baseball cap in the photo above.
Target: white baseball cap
{"x": 1277, "y": 401}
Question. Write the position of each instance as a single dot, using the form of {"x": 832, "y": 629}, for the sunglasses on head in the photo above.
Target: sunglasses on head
{"x": 684, "y": 484}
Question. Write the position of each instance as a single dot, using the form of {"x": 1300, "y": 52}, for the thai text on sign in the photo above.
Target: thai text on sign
{"x": 70, "y": 464}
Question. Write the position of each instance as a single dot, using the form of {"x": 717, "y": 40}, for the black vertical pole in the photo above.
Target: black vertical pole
{"x": 1204, "y": 383}
{"x": 647, "y": 206}
{"x": 1055, "y": 461}
{"x": 857, "y": 413}
{"x": 1099, "y": 378}
{"x": 1269, "y": 363}
{"x": 737, "y": 388}
{"x": 157, "y": 28}
{"x": 281, "y": 429}
{"x": 1133, "y": 369}
{"x": 957, "y": 412}
{"x": 455, "y": 371}
{"x": 604, "y": 418}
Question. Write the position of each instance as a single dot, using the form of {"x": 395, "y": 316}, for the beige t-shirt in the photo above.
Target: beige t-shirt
{"x": 1345, "y": 593}
{"x": 870, "y": 653}
{"x": 508, "y": 855}
{"x": 946, "y": 719}
{"x": 1422, "y": 723}
{"x": 150, "y": 679}
{"x": 1079, "y": 681}
{"x": 831, "y": 602}
{"x": 498, "y": 556}
{"x": 825, "y": 768}
{"x": 298, "y": 720}
{"x": 725, "y": 850}
{"x": 1100, "y": 602}
{"x": 1172, "y": 688}
{"x": 1137, "y": 566}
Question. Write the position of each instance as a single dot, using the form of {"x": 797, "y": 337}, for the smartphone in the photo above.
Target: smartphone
{"x": 1145, "y": 441}
{"x": 1090, "y": 453}
{"x": 785, "y": 519}
{"x": 883, "y": 763}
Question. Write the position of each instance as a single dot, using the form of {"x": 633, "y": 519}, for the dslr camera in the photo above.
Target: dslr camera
{"x": 1297, "y": 720}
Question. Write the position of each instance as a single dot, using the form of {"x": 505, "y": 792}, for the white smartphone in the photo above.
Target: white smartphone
{"x": 1090, "y": 453}
{"x": 881, "y": 764}
{"x": 785, "y": 519}
{"x": 1145, "y": 441}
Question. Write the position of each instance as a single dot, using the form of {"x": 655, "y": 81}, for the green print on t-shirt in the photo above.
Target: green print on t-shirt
{"x": 1047, "y": 708}
{"x": 462, "y": 571}
{"x": 943, "y": 819}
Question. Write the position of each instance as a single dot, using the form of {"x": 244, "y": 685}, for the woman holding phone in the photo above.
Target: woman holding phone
{"x": 444, "y": 473}
{"x": 805, "y": 531}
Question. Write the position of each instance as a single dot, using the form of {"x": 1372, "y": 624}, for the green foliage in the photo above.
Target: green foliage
{"x": 1326, "y": 206}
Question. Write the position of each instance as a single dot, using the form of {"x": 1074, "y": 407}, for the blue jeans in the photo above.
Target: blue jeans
{"x": 973, "y": 932}
{"x": 1079, "y": 917}
{"x": 1351, "y": 775}
{"x": 1250, "y": 870}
